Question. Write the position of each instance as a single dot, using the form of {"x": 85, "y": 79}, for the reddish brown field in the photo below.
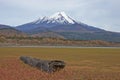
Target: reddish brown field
{"x": 80, "y": 66}
{"x": 14, "y": 69}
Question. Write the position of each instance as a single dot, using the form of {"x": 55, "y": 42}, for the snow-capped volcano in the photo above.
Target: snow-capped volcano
{"x": 57, "y": 22}
{"x": 57, "y": 18}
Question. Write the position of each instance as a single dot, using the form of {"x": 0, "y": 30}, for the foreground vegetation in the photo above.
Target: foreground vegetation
{"x": 82, "y": 63}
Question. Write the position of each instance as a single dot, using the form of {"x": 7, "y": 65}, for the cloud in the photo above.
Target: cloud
{"x": 40, "y": 4}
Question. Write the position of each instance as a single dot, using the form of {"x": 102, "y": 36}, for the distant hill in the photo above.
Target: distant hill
{"x": 9, "y": 36}
{"x": 9, "y": 31}
{"x": 4, "y": 26}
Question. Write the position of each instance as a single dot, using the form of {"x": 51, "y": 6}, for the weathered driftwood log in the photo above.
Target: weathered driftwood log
{"x": 44, "y": 65}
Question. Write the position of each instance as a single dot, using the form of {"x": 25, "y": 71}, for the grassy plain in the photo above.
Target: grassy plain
{"x": 82, "y": 63}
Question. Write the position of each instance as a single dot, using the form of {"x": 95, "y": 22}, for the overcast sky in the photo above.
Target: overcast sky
{"x": 103, "y": 14}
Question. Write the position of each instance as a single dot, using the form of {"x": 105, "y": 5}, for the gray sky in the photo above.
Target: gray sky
{"x": 103, "y": 14}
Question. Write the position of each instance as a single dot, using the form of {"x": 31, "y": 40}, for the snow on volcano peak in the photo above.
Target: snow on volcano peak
{"x": 61, "y": 16}
{"x": 57, "y": 18}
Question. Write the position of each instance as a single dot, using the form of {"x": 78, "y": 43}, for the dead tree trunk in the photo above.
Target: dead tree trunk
{"x": 44, "y": 65}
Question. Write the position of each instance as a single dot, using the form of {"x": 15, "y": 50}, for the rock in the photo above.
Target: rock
{"x": 44, "y": 65}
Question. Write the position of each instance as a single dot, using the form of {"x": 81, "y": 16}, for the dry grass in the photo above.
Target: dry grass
{"x": 82, "y": 63}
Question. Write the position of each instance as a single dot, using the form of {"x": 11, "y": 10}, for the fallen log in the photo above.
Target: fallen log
{"x": 44, "y": 65}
